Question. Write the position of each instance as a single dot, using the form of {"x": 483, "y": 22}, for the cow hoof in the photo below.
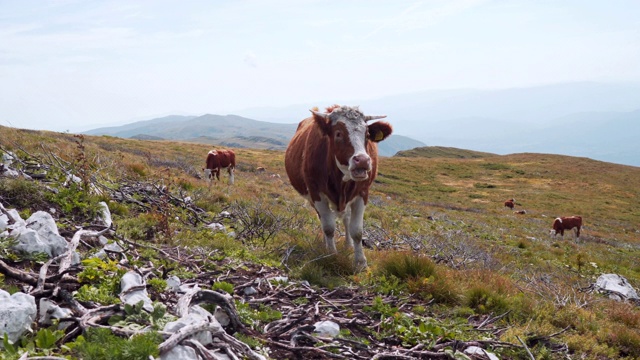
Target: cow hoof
{"x": 361, "y": 265}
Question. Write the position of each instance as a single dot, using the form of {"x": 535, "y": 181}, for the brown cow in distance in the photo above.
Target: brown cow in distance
{"x": 566, "y": 223}
{"x": 332, "y": 161}
{"x": 217, "y": 160}
{"x": 510, "y": 203}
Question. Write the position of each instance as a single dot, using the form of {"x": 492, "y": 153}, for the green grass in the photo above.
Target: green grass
{"x": 473, "y": 257}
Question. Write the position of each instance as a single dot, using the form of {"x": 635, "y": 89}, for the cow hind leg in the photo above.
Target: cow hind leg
{"x": 328, "y": 221}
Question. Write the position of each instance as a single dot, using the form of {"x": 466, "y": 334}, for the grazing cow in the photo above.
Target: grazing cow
{"x": 332, "y": 161}
{"x": 566, "y": 223}
{"x": 510, "y": 203}
{"x": 217, "y": 160}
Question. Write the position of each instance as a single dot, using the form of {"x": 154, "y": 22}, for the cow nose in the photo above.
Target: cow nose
{"x": 361, "y": 161}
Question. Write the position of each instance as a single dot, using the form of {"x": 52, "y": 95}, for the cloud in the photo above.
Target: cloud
{"x": 416, "y": 17}
{"x": 251, "y": 59}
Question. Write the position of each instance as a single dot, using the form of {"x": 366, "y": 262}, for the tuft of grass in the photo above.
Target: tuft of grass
{"x": 405, "y": 265}
{"x": 21, "y": 194}
{"x": 485, "y": 301}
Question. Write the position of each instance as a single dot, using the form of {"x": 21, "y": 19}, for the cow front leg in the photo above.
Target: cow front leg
{"x": 231, "y": 177}
{"x": 346, "y": 220}
{"x": 356, "y": 223}
{"x": 328, "y": 221}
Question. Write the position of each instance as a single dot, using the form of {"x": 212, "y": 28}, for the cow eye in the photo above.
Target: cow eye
{"x": 338, "y": 135}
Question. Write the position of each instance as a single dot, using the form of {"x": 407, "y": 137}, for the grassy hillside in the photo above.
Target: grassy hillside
{"x": 442, "y": 152}
{"x": 482, "y": 262}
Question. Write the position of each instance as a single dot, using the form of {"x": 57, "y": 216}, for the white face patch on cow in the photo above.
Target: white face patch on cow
{"x": 359, "y": 164}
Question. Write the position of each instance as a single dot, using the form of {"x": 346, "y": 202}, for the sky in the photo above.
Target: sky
{"x": 68, "y": 65}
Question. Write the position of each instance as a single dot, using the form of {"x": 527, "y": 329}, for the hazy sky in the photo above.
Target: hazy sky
{"x": 67, "y": 64}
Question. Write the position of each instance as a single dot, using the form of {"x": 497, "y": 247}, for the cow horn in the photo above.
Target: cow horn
{"x": 321, "y": 114}
{"x": 374, "y": 117}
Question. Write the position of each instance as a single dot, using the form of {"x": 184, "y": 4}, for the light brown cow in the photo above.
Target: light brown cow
{"x": 217, "y": 160}
{"x": 566, "y": 223}
{"x": 332, "y": 161}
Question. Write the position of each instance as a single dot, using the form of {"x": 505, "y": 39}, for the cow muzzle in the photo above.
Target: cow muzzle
{"x": 359, "y": 167}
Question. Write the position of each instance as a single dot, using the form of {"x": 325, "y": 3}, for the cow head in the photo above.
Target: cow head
{"x": 557, "y": 225}
{"x": 349, "y": 135}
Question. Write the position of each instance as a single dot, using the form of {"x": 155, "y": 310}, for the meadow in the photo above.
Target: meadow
{"x": 436, "y": 232}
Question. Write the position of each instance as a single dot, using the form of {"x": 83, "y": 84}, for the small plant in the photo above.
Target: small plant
{"x": 158, "y": 285}
{"x": 43, "y": 342}
{"x": 136, "y": 318}
{"x": 98, "y": 294}
{"x": 224, "y": 286}
{"x": 83, "y": 166}
{"x": 102, "y": 281}
{"x": 75, "y": 203}
{"x": 101, "y": 344}
{"x": 254, "y": 318}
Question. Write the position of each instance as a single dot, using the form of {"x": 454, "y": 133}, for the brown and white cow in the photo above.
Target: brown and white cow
{"x": 510, "y": 203}
{"x": 217, "y": 160}
{"x": 332, "y": 161}
{"x": 566, "y": 223}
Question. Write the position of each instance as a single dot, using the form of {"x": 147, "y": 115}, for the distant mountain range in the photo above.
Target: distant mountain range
{"x": 230, "y": 131}
{"x": 595, "y": 120}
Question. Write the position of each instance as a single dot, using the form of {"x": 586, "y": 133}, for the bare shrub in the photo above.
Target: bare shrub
{"x": 556, "y": 288}
{"x": 455, "y": 248}
{"x": 259, "y": 222}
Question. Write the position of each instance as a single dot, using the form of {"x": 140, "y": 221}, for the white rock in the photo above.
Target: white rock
{"x": 45, "y": 225}
{"x": 180, "y": 352}
{"x": 4, "y": 222}
{"x": 15, "y": 215}
{"x": 10, "y": 173}
{"x": 17, "y": 312}
{"x": 132, "y": 297}
{"x": 114, "y": 247}
{"x": 327, "y": 328}
{"x": 222, "y": 316}
{"x": 480, "y": 352}
{"x": 8, "y": 157}
{"x": 617, "y": 284}
{"x": 250, "y": 291}
{"x": 103, "y": 240}
{"x": 49, "y": 310}
{"x": 71, "y": 178}
{"x": 104, "y": 214}
{"x": 196, "y": 315}
{"x": 29, "y": 241}
{"x": 173, "y": 283}
{"x": 216, "y": 226}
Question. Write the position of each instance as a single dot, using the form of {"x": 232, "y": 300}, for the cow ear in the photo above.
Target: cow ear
{"x": 379, "y": 131}
{"x": 323, "y": 121}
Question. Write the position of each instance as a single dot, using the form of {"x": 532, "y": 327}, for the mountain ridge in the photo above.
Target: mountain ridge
{"x": 230, "y": 130}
